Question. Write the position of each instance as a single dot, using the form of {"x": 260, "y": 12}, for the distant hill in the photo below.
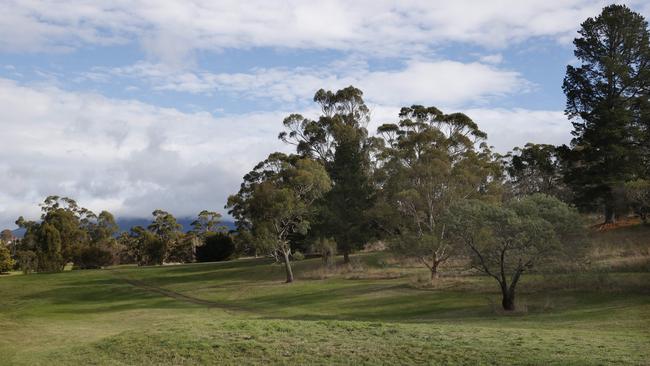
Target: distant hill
{"x": 127, "y": 223}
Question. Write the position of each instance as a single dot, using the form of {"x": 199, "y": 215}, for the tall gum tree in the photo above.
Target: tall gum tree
{"x": 428, "y": 161}
{"x": 276, "y": 200}
{"x": 339, "y": 140}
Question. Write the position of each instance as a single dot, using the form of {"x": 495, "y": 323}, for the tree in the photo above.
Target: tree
{"x": 339, "y": 140}
{"x": 67, "y": 233}
{"x": 429, "y": 161}
{"x": 207, "y": 222}
{"x": 145, "y": 247}
{"x": 6, "y": 262}
{"x": 167, "y": 229}
{"x": 275, "y": 202}
{"x": 8, "y": 238}
{"x": 607, "y": 99}
{"x": 505, "y": 241}
{"x": 101, "y": 248}
{"x": 637, "y": 193}
{"x": 536, "y": 168}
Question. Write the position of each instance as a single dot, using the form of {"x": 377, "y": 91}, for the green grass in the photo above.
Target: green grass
{"x": 377, "y": 312}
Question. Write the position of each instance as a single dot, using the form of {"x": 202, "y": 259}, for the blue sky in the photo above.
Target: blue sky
{"x": 136, "y": 105}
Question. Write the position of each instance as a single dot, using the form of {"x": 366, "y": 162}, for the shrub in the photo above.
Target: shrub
{"x": 216, "y": 247}
{"x": 297, "y": 255}
{"x": 92, "y": 257}
{"x": 6, "y": 262}
{"x": 27, "y": 261}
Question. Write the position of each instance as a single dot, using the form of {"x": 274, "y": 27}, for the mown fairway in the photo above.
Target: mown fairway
{"x": 376, "y": 312}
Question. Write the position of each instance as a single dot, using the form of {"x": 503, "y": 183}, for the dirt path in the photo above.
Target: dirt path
{"x": 177, "y": 295}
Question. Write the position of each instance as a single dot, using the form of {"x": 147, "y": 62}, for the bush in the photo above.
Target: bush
{"x": 326, "y": 247}
{"x": 297, "y": 255}
{"x": 92, "y": 257}
{"x": 6, "y": 262}
{"x": 27, "y": 261}
{"x": 216, "y": 247}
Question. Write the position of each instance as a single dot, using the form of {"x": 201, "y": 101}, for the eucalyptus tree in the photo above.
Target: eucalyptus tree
{"x": 59, "y": 235}
{"x": 536, "y": 168}
{"x": 506, "y": 241}
{"x": 168, "y": 231}
{"x": 339, "y": 140}
{"x": 143, "y": 246}
{"x": 430, "y": 160}
{"x": 276, "y": 200}
{"x": 608, "y": 100}
{"x": 6, "y": 262}
{"x": 207, "y": 222}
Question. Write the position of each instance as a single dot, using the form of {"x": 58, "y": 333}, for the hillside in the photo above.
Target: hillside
{"x": 377, "y": 311}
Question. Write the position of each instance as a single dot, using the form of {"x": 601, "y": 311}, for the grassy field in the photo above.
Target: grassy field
{"x": 376, "y": 311}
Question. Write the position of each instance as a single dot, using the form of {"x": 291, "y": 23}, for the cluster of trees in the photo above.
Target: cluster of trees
{"x": 607, "y": 165}
{"x": 431, "y": 187}
{"x": 68, "y": 233}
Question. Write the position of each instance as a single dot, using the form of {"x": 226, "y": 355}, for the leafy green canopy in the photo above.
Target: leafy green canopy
{"x": 275, "y": 201}
{"x": 426, "y": 162}
{"x": 67, "y": 233}
{"x": 504, "y": 241}
{"x": 339, "y": 140}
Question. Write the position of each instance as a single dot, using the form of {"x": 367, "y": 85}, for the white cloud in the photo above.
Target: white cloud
{"x": 122, "y": 155}
{"x": 171, "y": 29}
{"x": 507, "y": 128}
{"x": 496, "y": 58}
{"x": 444, "y": 82}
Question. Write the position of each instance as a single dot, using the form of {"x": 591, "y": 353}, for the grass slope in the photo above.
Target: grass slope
{"x": 377, "y": 312}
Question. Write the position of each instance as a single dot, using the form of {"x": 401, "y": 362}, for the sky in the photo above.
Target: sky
{"x": 130, "y": 106}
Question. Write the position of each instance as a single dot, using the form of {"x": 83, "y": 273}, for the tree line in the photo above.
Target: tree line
{"x": 68, "y": 233}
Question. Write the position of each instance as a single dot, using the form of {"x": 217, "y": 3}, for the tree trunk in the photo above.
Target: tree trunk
{"x": 610, "y": 213}
{"x": 434, "y": 272}
{"x": 346, "y": 257}
{"x": 287, "y": 267}
{"x": 508, "y": 300}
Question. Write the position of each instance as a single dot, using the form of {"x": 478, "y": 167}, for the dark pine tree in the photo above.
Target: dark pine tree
{"x": 607, "y": 100}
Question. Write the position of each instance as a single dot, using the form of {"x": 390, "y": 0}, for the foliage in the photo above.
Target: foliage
{"x": 217, "y": 247}
{"x": 67, "y": 233}
{"x": 207, "y": 222}
{"x": 339, "y": 140}
{"x": 27, "y": 261}
{"x": 326, "y": 247}
{"x": 6, "y": 262}
{"x": 275, "y": 202}
{"x": 536, "y": 168}
{"x": 167, "y": 231}
{"x": 428, "y": 161}
{"x": 637, "y": 193}
{"x": 92, "y": 257}
{"x": 607, "y": 99}
{"x": 297, "y": 255}
{"x": 505, "y": 241}
{"x": 144, "y": 246}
